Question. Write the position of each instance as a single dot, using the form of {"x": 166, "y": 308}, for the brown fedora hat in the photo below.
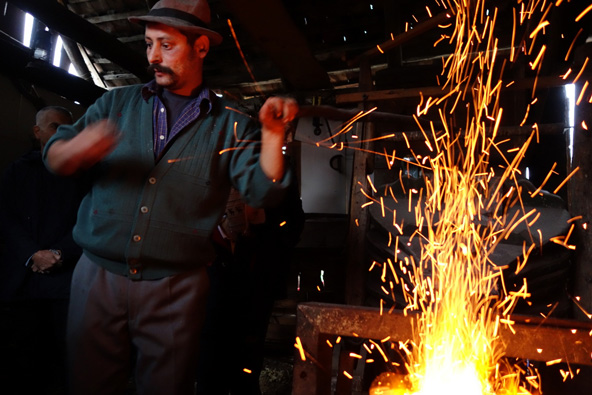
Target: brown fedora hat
{"x": 188, "y": 15}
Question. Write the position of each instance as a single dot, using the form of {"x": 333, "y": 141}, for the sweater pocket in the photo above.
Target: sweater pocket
{"x": 188, "y": 204}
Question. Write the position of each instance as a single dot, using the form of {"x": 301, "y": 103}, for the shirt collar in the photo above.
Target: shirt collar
{"x": 152, "y": 89}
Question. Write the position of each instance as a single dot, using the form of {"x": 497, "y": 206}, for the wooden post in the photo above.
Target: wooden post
{"x": 580, "y": 202}
{"x": 358, "y": 217}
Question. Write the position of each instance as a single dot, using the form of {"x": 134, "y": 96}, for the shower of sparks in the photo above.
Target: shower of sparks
{"x": 465, "y": 209}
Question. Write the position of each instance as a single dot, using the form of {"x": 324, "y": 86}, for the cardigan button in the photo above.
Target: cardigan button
{"x": 137, "y": 238}
{"x": 152, "y": 180}
{"x": 143, "y": 209}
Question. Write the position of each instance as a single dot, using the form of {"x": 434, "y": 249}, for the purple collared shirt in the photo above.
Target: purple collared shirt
{"x": 162, "y": 134}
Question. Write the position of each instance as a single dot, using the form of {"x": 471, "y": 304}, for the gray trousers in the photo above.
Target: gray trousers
{"x": 111, "y": 318}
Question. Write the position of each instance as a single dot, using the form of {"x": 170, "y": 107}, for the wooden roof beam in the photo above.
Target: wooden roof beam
{"x": 400, "y": 39}
{"x": 436, "y": 91}
{"x": 279, "y": 37}
{"x": 60, "y": 19}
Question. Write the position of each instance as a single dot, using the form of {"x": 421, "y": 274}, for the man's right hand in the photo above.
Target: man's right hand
{"x": 92, "y": 144}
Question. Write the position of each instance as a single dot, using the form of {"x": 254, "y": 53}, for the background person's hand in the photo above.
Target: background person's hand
{"x": 45, "y": 260}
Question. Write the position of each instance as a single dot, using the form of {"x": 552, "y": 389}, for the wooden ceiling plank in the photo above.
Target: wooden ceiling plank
{"x": 131, "y": 39}
{"x": 114, "y": 17}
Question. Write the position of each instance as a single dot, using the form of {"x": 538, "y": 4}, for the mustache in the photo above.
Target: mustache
{"x": 163, "y": 69}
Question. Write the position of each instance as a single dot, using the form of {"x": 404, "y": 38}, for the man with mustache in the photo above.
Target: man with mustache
{"x": 162, "y": 158}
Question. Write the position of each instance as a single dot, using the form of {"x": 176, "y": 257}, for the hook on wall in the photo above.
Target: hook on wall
{"x": 316, "y": 122}
{"x": 336, "y": 163}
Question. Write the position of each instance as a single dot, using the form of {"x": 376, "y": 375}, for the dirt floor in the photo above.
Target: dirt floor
{"x": 276, "y": 376}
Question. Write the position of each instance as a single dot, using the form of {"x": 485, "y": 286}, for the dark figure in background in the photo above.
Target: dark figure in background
{"x": 37, "y": 213}
{"x": 163, "y": 157}
{"x": 254, "y": 253}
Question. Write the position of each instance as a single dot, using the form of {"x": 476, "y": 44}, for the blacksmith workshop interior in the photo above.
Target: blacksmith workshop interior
{"x": 418, "y": 119}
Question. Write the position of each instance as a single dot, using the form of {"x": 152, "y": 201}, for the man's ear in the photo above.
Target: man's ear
{"x": 36, "y": 130}
{"x": 202, "y": 46}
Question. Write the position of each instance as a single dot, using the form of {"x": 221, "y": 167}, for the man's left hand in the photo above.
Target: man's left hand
{"x": 277, "y": 112}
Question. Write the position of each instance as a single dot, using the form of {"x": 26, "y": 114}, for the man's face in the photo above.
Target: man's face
{"x": 176, "y": 64}
{"x": 48, "y": 124}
